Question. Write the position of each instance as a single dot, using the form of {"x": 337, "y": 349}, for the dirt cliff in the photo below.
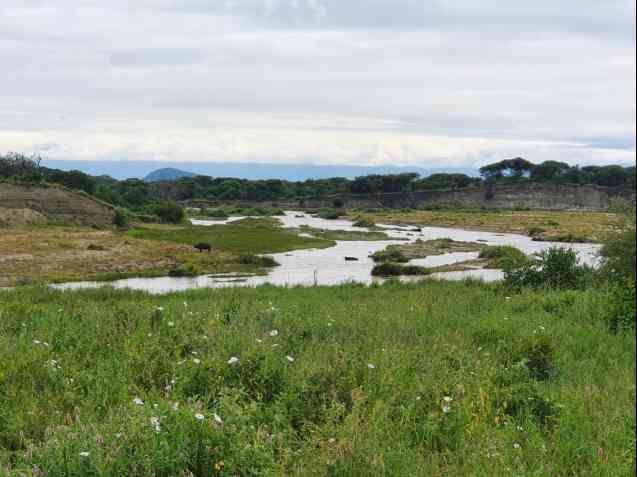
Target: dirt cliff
{"x": 57, "y": 204}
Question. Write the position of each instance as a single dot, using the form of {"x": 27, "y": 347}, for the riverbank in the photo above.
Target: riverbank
{"x": 53, "y": 254}
{"x": 400, "y": 379}
{"x": 544, "y": 225}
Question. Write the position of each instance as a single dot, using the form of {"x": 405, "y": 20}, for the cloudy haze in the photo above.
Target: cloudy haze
{"x": 383, "y": 82}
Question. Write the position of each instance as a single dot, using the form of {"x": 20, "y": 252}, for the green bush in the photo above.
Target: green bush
{"x": 259, "y": 261}
{"x": 556, "y": 267}
{"x": 121, "y": 219}
{"x": 390, "y": 255}
{"x": 387, "y": 270}
{"x": 329, "y": 214}
{"x": 503, "y": 256}
{"x": 169, "y": 212}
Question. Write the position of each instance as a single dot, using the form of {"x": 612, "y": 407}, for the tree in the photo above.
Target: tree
{"x": 548, "y": 170}
{"x": 515, "y": 168}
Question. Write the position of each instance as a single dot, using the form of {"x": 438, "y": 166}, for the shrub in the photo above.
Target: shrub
{"x": 169, "y": 212}
{"x": 556, "y": 268}
{"x": 503, "y": 256}
{"x": 389, "y": 255}
{"x": 259, "y": 261}
{"x": 338, "y": 203}
{"x": 121, "y": 219}
{"x": 414, "y": 270}
{"x": 387, "y": 270}
{"x": 329, "y": 214}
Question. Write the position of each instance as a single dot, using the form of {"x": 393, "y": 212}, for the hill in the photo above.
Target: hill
{"x": 167, "y": 174}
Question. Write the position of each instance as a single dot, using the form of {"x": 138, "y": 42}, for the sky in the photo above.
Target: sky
{"x": 370, "y": 82}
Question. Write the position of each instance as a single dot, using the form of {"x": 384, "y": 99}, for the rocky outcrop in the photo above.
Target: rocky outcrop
{"x": 57, "y": 204}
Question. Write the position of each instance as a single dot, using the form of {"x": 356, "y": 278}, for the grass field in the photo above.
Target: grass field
{"x": 589, "y": 226}
{"x": 56, "y": 253}
{"x": 445, "y": 379}
{"x": 247, "y": 236}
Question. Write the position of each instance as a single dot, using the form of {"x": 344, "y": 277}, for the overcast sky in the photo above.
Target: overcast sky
{"x": 401, "y": 82}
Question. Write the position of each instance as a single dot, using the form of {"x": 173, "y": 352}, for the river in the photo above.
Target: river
{"x": 329, "y": 267}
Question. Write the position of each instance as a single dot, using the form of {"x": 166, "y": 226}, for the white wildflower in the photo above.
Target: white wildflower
{"x": 199, "y": 417}
{"x": 447, "y": 399}
{"x": 371, "y": 366}
{"x": 196, "y": 361}
{"x": 446, "y": 408}
{"x": 233, "y": 360}
{"x": 516, "y": 445}
{"x": 84, "y": 454}
{"x": 290, "y": 359}
{"x": 274, "y": 333}
{"x": 138, "y": 401}
{"x": 155, "y": 423}
{"x": 217, "y": 419}
{"x": 171, "y": 323}
{"x": 160, "y": 308}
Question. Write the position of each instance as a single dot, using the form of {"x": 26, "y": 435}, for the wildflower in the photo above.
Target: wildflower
{"x": 290, "y": 359}
{"x": 219, "y": 466}
{"x": 37, "y": 342}
{"x": 171, "y": 323}
{"x": 138, "y": 401}
{"x": 196, "y": 360}
{"x": 185, "y": 305}
{"x": 175, "y": 406}
{"x": 371, "y": 366}
{"x": 233, "y": 360}
{"x": 84, "y": 454}
{"x": 520, "y": 428}
{"x": 217, "y": 419}
{"x": 160, "y": 309}
{"x": 447, "y": 399}
{"x": 331, "y": 440}
{"x": 199, "y": 417}
{"x": 446, "y": 408}
{"x": 155, "y": 423}
{"x": 274, "y": 333}
{"x": 516, "y": 445}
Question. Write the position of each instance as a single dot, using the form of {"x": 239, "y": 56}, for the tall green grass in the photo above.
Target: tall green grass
{"x": 420, "y": 379}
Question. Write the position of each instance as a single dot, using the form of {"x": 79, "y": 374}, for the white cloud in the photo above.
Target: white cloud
{"x": 323, "y": 81}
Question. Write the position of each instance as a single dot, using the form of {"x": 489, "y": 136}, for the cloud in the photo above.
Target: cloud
{"x": 323, "y": 81}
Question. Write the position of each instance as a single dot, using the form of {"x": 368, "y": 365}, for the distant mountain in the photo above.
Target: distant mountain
{"x": 167, "y": 174}
{"x": 242, "y": 170}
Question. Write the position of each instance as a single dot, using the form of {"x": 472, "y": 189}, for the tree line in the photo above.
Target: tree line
{"x": 138, "y": 195}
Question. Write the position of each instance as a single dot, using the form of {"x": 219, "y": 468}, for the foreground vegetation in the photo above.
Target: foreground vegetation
{"x": 423, "y": 379}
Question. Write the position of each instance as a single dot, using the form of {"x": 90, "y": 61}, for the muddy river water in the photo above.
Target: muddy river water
{"x": 329, "y": 267}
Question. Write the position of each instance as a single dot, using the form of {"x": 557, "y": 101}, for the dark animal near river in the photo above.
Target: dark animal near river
{"x": 201, "y": 246}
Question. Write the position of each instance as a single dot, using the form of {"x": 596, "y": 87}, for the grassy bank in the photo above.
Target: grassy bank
{"x": 548, "y": 225}
{"x": 247, "y": 236}
{"x": 54, "y": 253}
{"x": 423, "y": 379}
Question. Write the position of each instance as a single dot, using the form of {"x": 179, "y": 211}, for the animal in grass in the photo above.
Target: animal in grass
{"x": 201, "y": 246}
{"x": 351, "y": 259}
